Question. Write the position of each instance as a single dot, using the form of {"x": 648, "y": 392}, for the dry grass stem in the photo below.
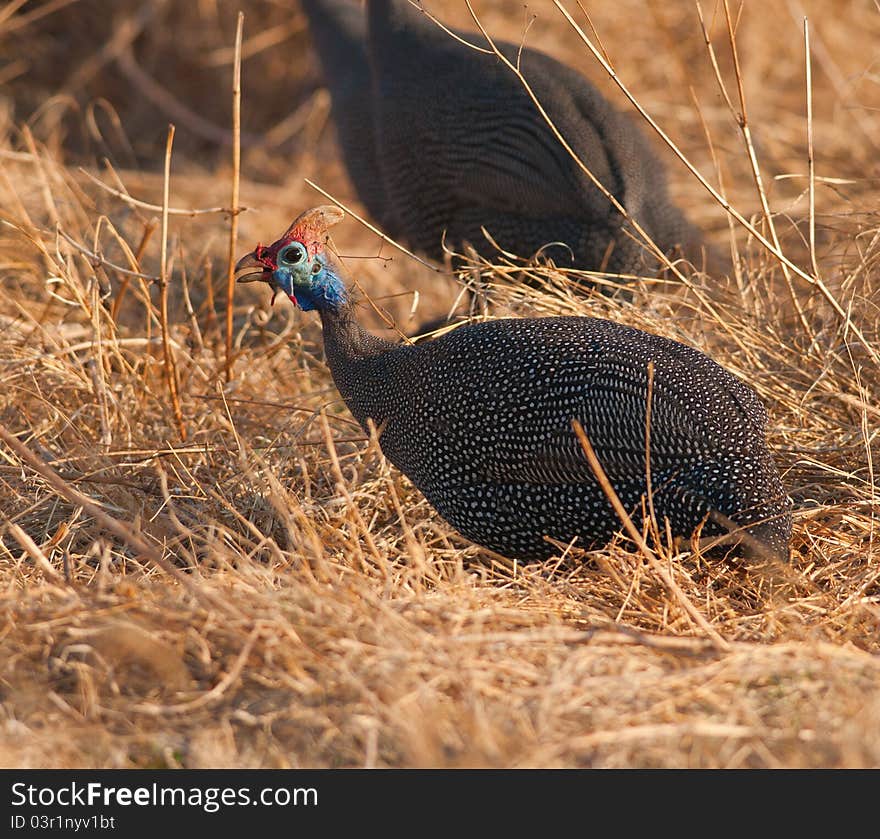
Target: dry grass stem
{"x": 236, "y": 180}
{"x": 170, "y": 365}
{"x": 634, "y": 534}
{"x": 728, "y": 207}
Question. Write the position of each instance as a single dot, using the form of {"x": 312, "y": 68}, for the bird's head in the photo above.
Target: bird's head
{"x": 299, "y": 263}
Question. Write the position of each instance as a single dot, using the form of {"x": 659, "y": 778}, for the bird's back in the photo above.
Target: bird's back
{"x": 442, "y": 142}
{"x": 461, "y": 146}
{"x": 528, "y": 378}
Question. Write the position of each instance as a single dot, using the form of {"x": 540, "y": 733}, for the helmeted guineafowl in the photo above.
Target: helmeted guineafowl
{"x": 480, "y": 419}
{"x": 441, "y": 140}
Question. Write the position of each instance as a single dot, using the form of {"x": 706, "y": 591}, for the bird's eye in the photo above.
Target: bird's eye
{"x": 292, "y": 254}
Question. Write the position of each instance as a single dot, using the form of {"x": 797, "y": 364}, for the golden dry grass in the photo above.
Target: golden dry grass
{"x": 313, "y": 611}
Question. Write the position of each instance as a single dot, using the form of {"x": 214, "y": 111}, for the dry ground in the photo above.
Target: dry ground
{"x": 250, "y": 584}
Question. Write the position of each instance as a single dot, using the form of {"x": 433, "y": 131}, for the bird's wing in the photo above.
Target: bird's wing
{"x": 608, "y": 396}
{"x": 519, "y": 165}
{"x": 518, "y": 168}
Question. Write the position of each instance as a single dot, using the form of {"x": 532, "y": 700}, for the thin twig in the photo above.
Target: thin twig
{"x": 34, "y": 551}
{"x": 190, "y": 310}
{"x": 671, "y": 586}
{"x": 814, "y": 281}
{"x": 742, "y": 120}
{"x": 236, "y": 176}
{"x": 97, "y": 259}
{"x": 649, "y": 405}
{"x": 372, "y": 229}
{"x": 149, "y": 229}
{"x": 452, "y": 34}
{"x": 156, "y": 208}
{"x": 810, "y": 158}
{"x": 170, "y": 365}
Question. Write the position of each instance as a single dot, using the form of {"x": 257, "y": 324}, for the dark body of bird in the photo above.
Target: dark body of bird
{"x": 480, "y": 420}
{"x": 441, "y": 140}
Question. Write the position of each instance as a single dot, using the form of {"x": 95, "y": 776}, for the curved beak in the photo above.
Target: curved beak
{"x": 249, "y": 269}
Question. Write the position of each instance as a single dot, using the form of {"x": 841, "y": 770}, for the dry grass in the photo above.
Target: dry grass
{"x": 312, "y": 610}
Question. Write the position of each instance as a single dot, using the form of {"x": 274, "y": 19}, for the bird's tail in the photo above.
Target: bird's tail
{"x": 751, "y": 512}
{"x": 760, "y": 539}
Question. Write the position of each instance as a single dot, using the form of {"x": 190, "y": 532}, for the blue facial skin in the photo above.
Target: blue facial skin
{"x": 310, "y": 283}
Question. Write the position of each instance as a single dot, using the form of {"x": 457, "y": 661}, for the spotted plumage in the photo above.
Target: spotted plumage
{"x": 442, "y": 141}
{"x": 480, "y": 420}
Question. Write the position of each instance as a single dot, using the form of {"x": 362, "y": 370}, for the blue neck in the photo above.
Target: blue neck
{"x": 326, "y": 293}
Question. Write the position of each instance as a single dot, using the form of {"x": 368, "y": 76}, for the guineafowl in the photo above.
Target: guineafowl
{"x": 480, "y": 419}
{"x": 442, "y": 140}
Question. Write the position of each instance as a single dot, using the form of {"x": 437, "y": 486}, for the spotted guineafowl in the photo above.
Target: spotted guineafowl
{"x": 441, "y": 140}
{"x": 480, "y": 419}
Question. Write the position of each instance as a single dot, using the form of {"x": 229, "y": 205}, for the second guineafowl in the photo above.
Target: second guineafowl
{"x": 480, "y": 419}
{"x": 442, "y": 140}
